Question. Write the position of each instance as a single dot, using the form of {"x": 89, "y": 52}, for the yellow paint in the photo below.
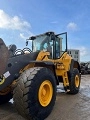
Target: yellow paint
{"x": 77, "y": 81}
{"x": 42, "y": 55}
{"x": 65, "y": 79}
{"x": 2, "y": 80}
{"x": 45, "y": 93}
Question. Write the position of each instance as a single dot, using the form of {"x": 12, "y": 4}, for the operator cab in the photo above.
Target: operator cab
{"x": 55, "y": 44}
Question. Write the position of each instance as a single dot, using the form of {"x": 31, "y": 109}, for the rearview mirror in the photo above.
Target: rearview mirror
{"x": 26, "y": 43}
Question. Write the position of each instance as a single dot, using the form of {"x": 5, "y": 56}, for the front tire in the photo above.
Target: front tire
{"x": 35, "y": 93}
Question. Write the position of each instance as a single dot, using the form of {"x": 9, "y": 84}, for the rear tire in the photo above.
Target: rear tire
{"x": 35, "y": 93}
{"x": 74, "y": 81}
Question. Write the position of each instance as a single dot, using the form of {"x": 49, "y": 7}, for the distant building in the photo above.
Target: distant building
{"x": 75, "y": 54}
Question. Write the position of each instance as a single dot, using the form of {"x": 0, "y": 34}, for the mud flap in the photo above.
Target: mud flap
{"x": 4, "y": 55}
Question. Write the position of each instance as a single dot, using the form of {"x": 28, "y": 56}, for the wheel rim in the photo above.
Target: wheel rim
{"x": 77, "y": 81}
{"x": 45, "y": 93}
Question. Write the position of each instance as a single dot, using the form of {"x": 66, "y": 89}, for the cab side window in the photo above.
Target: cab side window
{"x": 57, "y": 48}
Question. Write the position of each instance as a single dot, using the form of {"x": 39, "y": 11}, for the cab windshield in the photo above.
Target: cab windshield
{"x": 41, "y": 43}
{"x": 56, "y": 45}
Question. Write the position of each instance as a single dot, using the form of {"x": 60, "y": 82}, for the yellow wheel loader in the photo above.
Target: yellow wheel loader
{"x": 31, "y": 76}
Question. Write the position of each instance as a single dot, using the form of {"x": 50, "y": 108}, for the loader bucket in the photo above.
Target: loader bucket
{"x": 4, "y": 55}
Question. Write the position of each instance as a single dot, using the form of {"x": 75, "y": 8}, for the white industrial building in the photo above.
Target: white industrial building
{"x": 75, "y": 54}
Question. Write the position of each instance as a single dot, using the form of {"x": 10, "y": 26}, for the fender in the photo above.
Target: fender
{"x": 14, "y": 70}
{"x": 48, "y": 64}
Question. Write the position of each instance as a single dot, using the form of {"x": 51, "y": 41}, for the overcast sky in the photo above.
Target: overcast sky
{"x": 19, "y": 19}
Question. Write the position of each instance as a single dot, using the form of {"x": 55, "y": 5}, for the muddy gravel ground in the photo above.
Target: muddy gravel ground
{"x": 67, "y": 107}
